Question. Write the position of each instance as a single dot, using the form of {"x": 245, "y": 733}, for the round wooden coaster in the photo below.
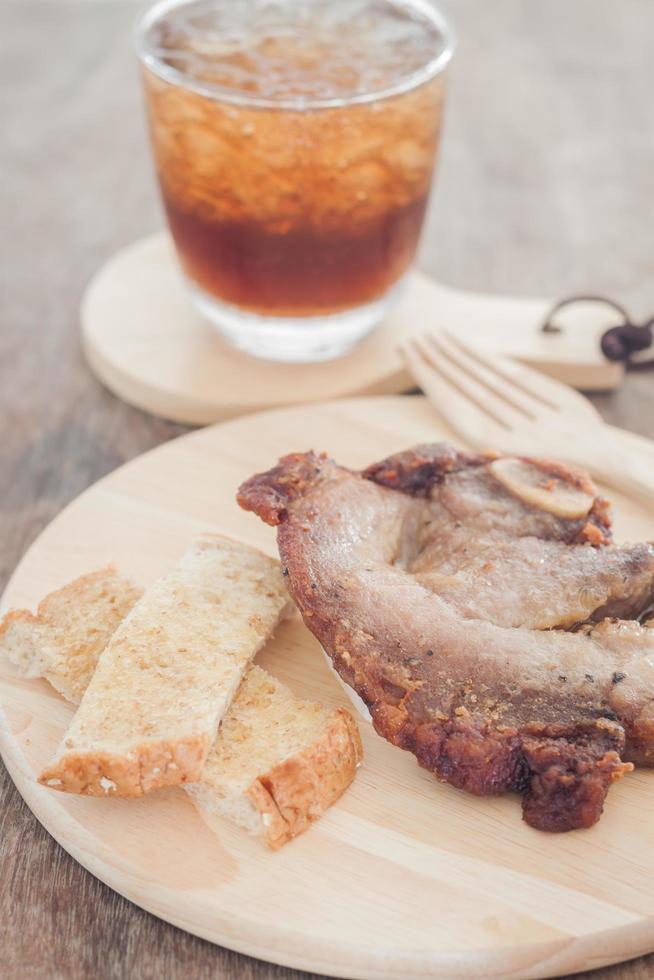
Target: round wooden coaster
{"x": 148, "y": 345}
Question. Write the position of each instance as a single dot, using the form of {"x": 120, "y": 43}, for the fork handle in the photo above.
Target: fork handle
{"x": 619, "y": 467}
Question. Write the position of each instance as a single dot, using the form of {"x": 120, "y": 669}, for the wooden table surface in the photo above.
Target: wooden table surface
{"x": 545, "y": 187}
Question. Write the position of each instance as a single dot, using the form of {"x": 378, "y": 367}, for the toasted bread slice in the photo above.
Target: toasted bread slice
{"x": 169, "y": 673}
{"x": 70, "y": 630}
{"x": 278, "y": 762}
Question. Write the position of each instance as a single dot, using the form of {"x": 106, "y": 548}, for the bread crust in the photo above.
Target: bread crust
{"x": 19, "y": 618}
{"x": 294, "y": 793}
{"x": 285, "y": 800}
{"x": 149, "y": 766}
{"x": 111, "y": 597}
{"x": 192, "y": 601}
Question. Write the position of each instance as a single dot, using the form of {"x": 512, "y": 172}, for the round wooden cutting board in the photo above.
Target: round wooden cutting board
{"x": 403, "y": 877}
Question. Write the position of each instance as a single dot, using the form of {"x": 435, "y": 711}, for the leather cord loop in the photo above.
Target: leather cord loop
{"x": 618, "y": 343}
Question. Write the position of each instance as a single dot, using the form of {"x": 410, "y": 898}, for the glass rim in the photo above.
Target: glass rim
{"x": 435, "y": 66}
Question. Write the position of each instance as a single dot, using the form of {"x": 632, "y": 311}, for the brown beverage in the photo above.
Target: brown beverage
{"x": 294, "y": 143}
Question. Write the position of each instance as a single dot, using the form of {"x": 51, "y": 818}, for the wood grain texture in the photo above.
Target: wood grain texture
{"x": 402, "y": 877}
{"x": 144, "y": 340}
{"x": 546, "y": 174}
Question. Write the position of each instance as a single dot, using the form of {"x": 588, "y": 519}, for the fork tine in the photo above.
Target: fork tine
{"x": 488, "y": 400}
{"x": 444, "y": 398}
{"x": 488, "y": 373}
{"x": 451, "y": 405}
{"x": 457, "y": 398}
{"x": 522, "y": 382}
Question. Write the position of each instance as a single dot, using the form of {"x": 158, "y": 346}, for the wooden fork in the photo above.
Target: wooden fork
{"x": 491, "y": 401}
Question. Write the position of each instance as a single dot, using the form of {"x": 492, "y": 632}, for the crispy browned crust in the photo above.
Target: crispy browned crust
{"x": 148, "y": 766}
{"x": 570, "y": 773}
{"x": 563, "y": 770}
{"x": 269, "y": 493}
{"x": 415, "y": 471}
{"x": 298, "y": 790}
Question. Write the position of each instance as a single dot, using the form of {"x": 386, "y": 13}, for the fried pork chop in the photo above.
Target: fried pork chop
{"x": 443, "y": 586}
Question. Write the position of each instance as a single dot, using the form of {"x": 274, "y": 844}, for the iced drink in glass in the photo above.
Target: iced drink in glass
{"x": 294, "y": 143}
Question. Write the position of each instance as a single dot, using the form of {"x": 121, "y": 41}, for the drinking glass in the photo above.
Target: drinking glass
{"x": 294, "y": 142}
